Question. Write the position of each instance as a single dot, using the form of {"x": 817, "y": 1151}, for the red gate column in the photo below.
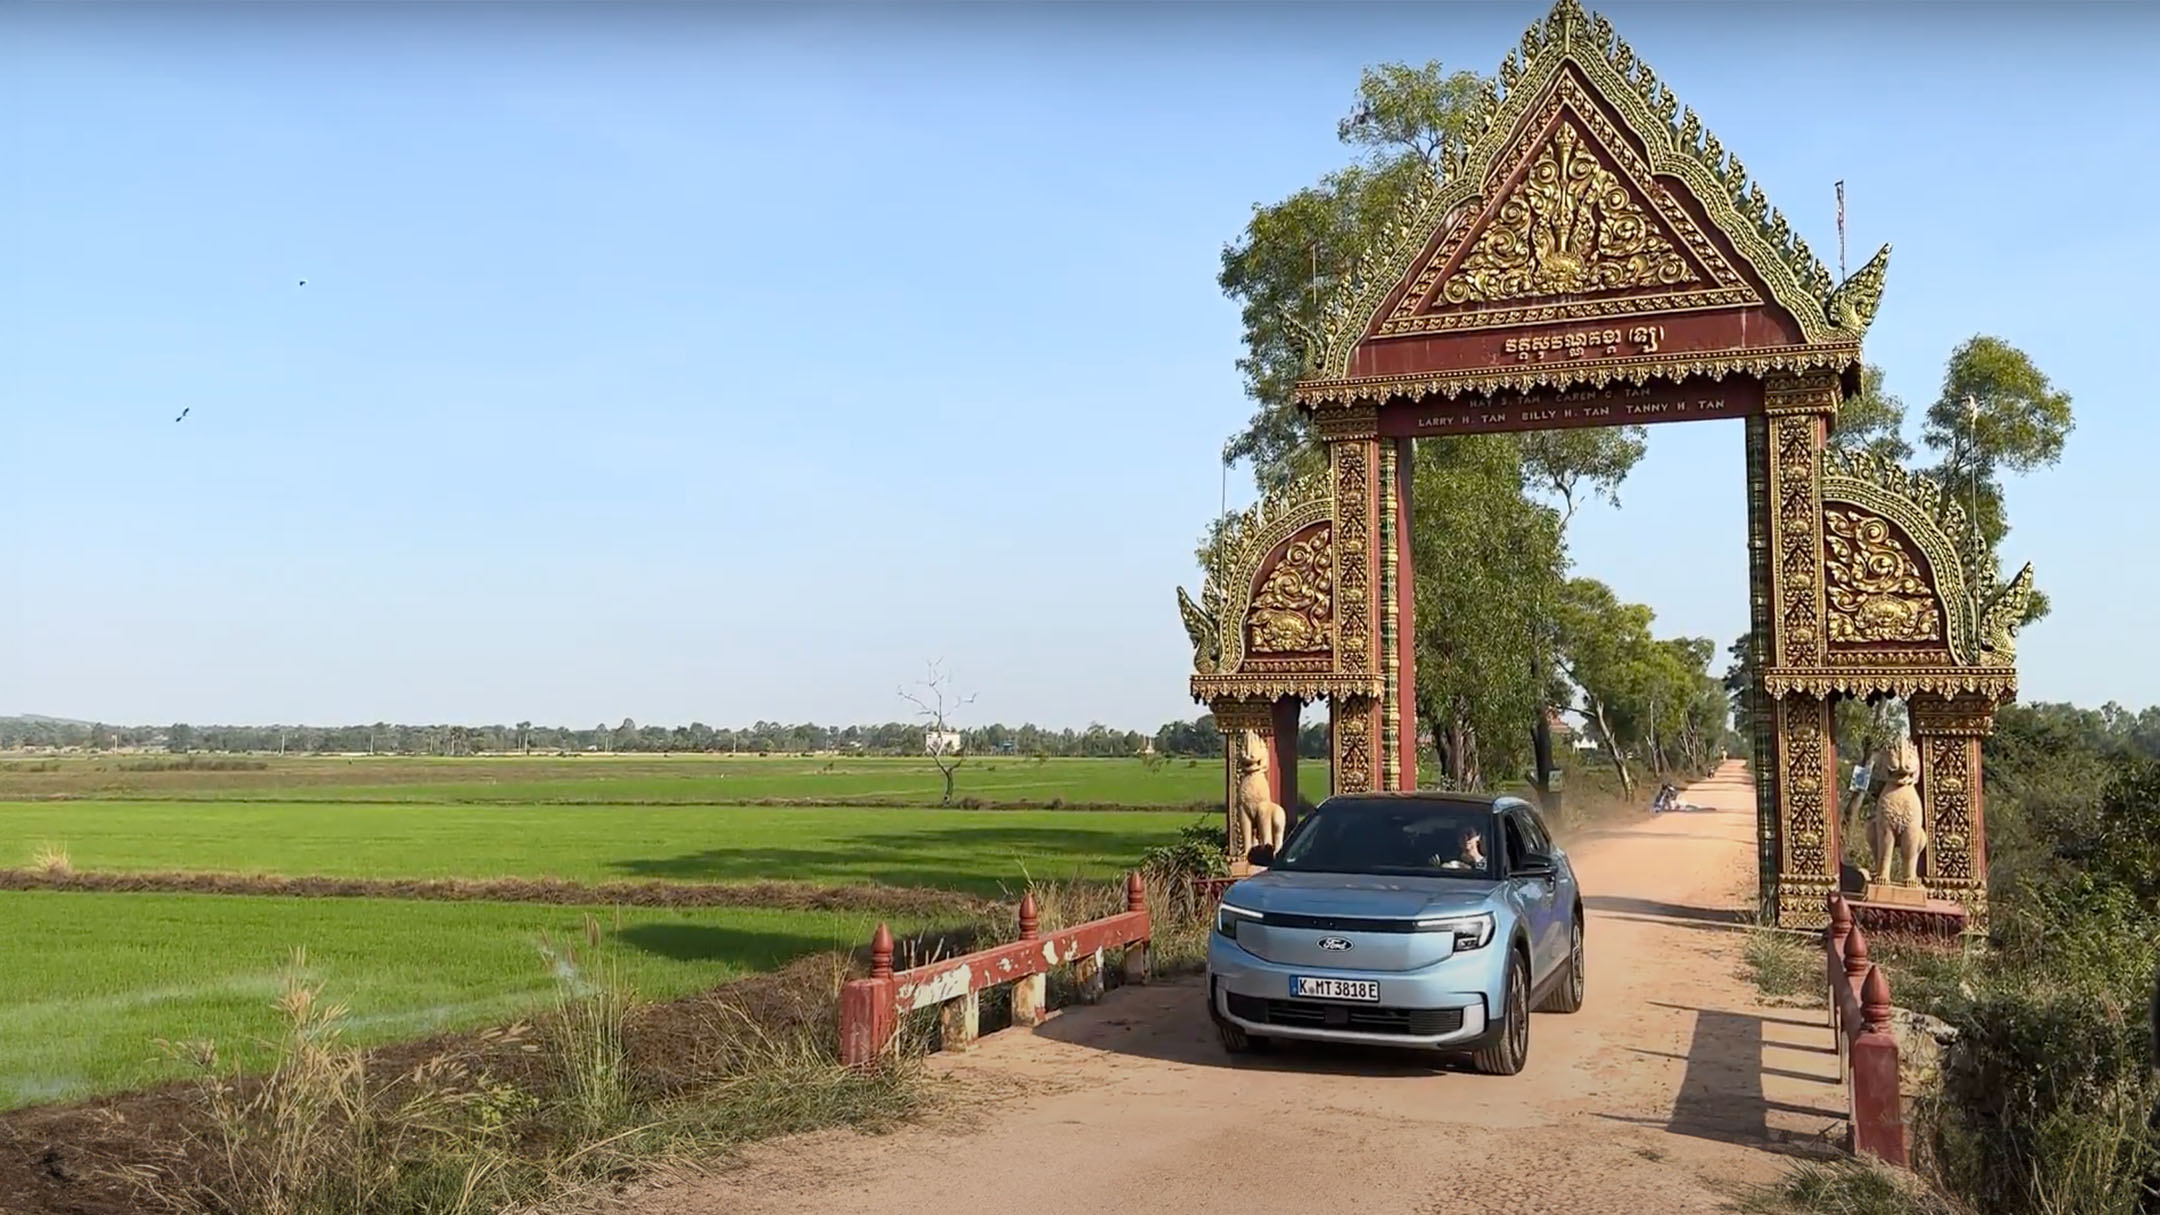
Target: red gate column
{"x": 1403, "y": 602}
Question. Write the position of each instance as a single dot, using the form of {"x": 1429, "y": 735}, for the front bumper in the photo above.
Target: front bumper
{"x": 1441, "y": 1006}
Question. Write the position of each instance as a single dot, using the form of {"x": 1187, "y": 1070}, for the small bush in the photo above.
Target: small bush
{"x": 52, "y": 860}
{"x": 194, "y": 763}
{"x": 1198, "y": 853}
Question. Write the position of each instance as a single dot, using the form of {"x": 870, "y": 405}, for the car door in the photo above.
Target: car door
{"x": 1539, "y": 896}
{"x": 1565, "y": 892}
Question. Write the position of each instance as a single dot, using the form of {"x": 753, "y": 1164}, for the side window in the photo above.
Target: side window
{"x": 1517, "y": 847}
{"x": 1534, "y": 833}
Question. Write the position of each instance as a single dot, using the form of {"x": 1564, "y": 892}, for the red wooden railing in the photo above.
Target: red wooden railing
{"x": 870, "y": 1009}
{"x": 1867, "y": 1051}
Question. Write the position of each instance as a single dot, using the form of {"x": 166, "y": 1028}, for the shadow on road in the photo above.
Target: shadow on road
{"x": 1169, "y": 1021}
{"x": 1721, "y": 1095}
{"x": 1666, "y": 912}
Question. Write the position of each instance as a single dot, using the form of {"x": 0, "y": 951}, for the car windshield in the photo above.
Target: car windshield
{"x": 1413, "y": 838}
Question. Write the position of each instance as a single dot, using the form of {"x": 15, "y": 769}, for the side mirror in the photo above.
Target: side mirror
{"x": 1262, "y": 855}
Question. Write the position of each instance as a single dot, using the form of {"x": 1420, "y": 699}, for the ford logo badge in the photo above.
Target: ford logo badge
{"x": 1334, "y": 944}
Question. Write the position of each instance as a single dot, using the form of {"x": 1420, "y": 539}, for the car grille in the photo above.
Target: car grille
{"x": 1336, "y": 923}
{"x": 1311, "y": 1014}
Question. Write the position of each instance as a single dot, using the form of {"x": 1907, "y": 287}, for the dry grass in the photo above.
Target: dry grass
{"x": 1849, "y": 1188}
{"x": 51, "y": 861}
{"x": 1787, "y": 967}
{"x": 601, "y": 1090}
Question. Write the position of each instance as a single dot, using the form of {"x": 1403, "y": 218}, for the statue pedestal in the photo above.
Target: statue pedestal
{"x": 1894, "y": 896}
{"x": 1931, "y": 918}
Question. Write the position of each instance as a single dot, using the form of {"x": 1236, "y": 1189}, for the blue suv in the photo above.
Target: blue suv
{"x": 1427, "y": 920}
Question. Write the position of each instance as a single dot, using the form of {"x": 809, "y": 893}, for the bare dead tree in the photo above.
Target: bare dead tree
{"x": 935, "y": 702}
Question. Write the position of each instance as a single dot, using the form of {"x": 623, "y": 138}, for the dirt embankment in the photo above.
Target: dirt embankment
{"x": 791, "y": 896}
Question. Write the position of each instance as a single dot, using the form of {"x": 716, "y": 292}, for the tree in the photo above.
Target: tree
{"x": 935, "y": 703}
{"x": 180, "y": 737}
{"x": 1588, "y": 461}
{"x": 1488, "y": 564}
{"x": 1291, "y": 253}
{"x": 1997, "y": 413}
{"x": 1740, "y": 684}
{"x": 1873, "y": 420}
{"x": 1600, "y": 640}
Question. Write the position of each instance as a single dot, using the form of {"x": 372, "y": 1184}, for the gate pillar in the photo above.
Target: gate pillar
{"x": 1796, "y": 770}
{"x": 1948, "y": 731}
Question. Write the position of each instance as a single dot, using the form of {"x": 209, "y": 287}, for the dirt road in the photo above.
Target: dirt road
{"x": 1669, "y": 1091}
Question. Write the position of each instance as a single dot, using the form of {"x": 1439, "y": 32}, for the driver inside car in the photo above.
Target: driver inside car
{"x": 1469, "y": 857}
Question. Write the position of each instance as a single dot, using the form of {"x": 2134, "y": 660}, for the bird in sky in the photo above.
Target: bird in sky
{"x": 303, "y": 282}
{"x": 184, "y": 412}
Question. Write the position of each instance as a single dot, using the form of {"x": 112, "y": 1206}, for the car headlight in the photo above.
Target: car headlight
{"x": 1227, "y": 918}
{"x": 1471, "y": 931}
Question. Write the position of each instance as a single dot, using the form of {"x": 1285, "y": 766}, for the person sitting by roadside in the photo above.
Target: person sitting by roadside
{"x": 1667, "y": 798}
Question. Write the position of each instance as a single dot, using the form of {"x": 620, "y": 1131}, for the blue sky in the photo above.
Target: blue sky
{"x": 727, "y": 363}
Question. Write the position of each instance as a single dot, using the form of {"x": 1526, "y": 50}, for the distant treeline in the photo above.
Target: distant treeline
{"x": 1180, "y": 738}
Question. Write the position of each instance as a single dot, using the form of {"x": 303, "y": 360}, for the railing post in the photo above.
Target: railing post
{"x": 868, "y": 1011}
{"x": 1136, "y": 953}
{"x": 1878, "y": 1109}
{"x": 1834, "y": 937}
{"x": 1088, "y": 977}
{"x": 960, "y": 1021}
{"x": 1031, "y": 993}
{"x": 1856, "y": 959}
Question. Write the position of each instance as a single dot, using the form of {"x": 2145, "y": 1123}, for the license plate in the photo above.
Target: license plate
{"x": 1367, "y": 990}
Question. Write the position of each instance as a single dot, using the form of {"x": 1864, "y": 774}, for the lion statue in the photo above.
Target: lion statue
{"x": 1897, "y": 825}
{"x": 1264, "y": 820}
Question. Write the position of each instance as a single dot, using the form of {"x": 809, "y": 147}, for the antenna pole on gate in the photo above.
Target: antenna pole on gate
{"x": 1841, "y": 231}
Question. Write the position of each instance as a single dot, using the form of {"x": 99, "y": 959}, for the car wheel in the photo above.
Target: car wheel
{"x": 1236, "y": 1041}
{"x": 1510, "y": 1047}
{"x": 1567, "y": 995}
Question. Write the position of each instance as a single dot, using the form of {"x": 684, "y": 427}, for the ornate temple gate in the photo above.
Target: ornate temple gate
{"x": 1589, "y": 255}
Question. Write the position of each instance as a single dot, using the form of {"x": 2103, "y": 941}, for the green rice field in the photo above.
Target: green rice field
{"x": 980, "y": 851}
{"x": 90, "y": 982}
{"x": 689, "y": 779}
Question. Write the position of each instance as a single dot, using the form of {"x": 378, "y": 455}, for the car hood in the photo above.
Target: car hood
{"x": 1372, "y": 896}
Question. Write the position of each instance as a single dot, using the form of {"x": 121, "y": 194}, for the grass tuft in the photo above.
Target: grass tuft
{"x": 1784, "y": 966}
{"x": 51, "y": 860}
{"x": 1848, "y": 1188}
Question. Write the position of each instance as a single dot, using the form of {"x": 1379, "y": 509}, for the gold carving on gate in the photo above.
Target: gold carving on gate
{"x": 1795, "y": 464}
{"x": 1570, "y": 227}
{"x": 1353, "y": 745}
{"x": 1877, "y": 591}
{"x": 1353, "y": 550}
{"x": 1292, "y": 612}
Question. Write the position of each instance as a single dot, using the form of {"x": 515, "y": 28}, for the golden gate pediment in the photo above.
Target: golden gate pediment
{"x": 1577, "y": 228}
{"x": 1586, "y": 231}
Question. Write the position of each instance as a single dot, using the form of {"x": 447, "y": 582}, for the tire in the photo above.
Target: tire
{"x": 1510, "y": 1046}
{"x": 1567, "y": 995}
{"x": 1236, "y": 1041}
